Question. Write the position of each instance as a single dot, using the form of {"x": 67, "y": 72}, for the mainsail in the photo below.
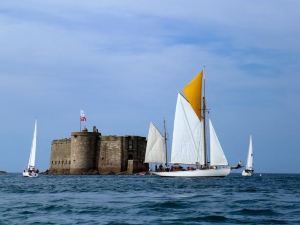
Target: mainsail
{"x": 186, "y": 134}
{"x": 31, "y": 162}
{"x": 249, "y": 165}
{"x": 217, "y": 156}
{"x": 156, "y": 146}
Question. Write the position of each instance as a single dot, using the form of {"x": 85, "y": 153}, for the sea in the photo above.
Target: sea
{"x": 260, "y": 199}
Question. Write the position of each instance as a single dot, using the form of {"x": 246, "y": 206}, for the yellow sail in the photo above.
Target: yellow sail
{"x": 193, "y": 93}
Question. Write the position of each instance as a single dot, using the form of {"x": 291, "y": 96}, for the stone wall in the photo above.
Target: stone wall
{"x": 110, "y": 158}
{"x": 135, "y": 150}
{"x": 117, "y": 151}
{"x": 60, "y": 156}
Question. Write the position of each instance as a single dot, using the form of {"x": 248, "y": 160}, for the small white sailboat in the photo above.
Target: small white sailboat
{"x": 156, "y": 150}
{"x": 189, "y": 138}
{"x": 248, "y": 171}
{"x": 31, "y": 171}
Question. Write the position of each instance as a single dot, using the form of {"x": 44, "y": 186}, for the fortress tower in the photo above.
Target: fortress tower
{"x": 83, "y": 151}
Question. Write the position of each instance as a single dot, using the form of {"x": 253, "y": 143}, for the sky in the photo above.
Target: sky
{"x": 123, "y": 63}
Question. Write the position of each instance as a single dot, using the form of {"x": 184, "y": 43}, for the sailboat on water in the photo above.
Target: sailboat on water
{"x": 156, "y": 150}
{"x": 248, "y": 171}
{"x": 189, "y": 139}
{"x": 31, "y": 171}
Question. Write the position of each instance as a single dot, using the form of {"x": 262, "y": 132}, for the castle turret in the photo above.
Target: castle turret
{"x": 83, "y": 151}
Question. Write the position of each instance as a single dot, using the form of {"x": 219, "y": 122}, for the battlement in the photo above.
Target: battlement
{"x": 61, "y": 141}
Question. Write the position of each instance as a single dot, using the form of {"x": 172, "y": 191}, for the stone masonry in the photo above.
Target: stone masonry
{"x": 91, "y": 153}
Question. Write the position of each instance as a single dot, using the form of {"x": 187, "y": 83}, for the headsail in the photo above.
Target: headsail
{"x": 193, "y": 93}
{"x": 186, "y": 134}
{"x": 31, "y": 162}
{"x": 217, "y": 156}
{"x": 249, "y": 165}
{"x": 156, "y": 147}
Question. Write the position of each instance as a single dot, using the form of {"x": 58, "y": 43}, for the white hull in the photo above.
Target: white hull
{"x": 221, "y": 172}
{"x": 32, "y": 174}
{"x": 247, "y": 173}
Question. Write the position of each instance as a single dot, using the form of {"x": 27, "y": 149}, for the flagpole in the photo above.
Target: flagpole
{"x": 80, "y": 121}
{"x": 82, "y": 118}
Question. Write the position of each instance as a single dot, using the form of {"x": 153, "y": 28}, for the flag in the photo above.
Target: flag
{"x": 82, "y": 116}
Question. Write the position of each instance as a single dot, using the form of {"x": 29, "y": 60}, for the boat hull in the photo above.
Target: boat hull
{"x": 248, "y": 173}
{"x": 30, "y": 174}
{"x": 220, "y": 172}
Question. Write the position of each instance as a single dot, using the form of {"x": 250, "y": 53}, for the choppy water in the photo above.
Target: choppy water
{"x": 269, "y": 199}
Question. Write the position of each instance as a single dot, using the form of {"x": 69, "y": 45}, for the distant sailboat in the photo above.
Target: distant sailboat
{"x": 189, "y": 138}
{"x": 156, "y": 150}
{"x": 31, "y": 171}
{"x": 249, "y": 166}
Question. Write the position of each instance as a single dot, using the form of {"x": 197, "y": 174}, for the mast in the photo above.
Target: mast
{"x": 204, "y": 124}
{"x": 165, "y": 137}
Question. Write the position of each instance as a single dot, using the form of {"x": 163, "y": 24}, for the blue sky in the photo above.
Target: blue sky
{"x": 123, "y": 62}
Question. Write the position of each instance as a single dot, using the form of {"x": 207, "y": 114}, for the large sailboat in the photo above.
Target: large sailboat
{"x": 189, "y": 153}
{"x": 248, "y": 171}
{"x": 31, "y": 171}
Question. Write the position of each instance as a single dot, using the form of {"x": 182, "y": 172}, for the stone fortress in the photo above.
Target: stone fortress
{"x": 91, "y": 153}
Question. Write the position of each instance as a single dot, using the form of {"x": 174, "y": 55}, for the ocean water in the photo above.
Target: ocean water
{"x": 266, "y": 199}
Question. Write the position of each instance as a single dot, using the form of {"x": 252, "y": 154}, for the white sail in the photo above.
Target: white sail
{"x": 31, "y": 162}
{"x": 249, "y": 165}
{"x": 186, "y": 134}
{"x": 156, "y": 146}
{"x": 217, "y": 156}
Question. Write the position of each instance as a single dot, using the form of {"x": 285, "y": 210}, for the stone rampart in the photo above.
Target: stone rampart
{"x": 60, "y": 156}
